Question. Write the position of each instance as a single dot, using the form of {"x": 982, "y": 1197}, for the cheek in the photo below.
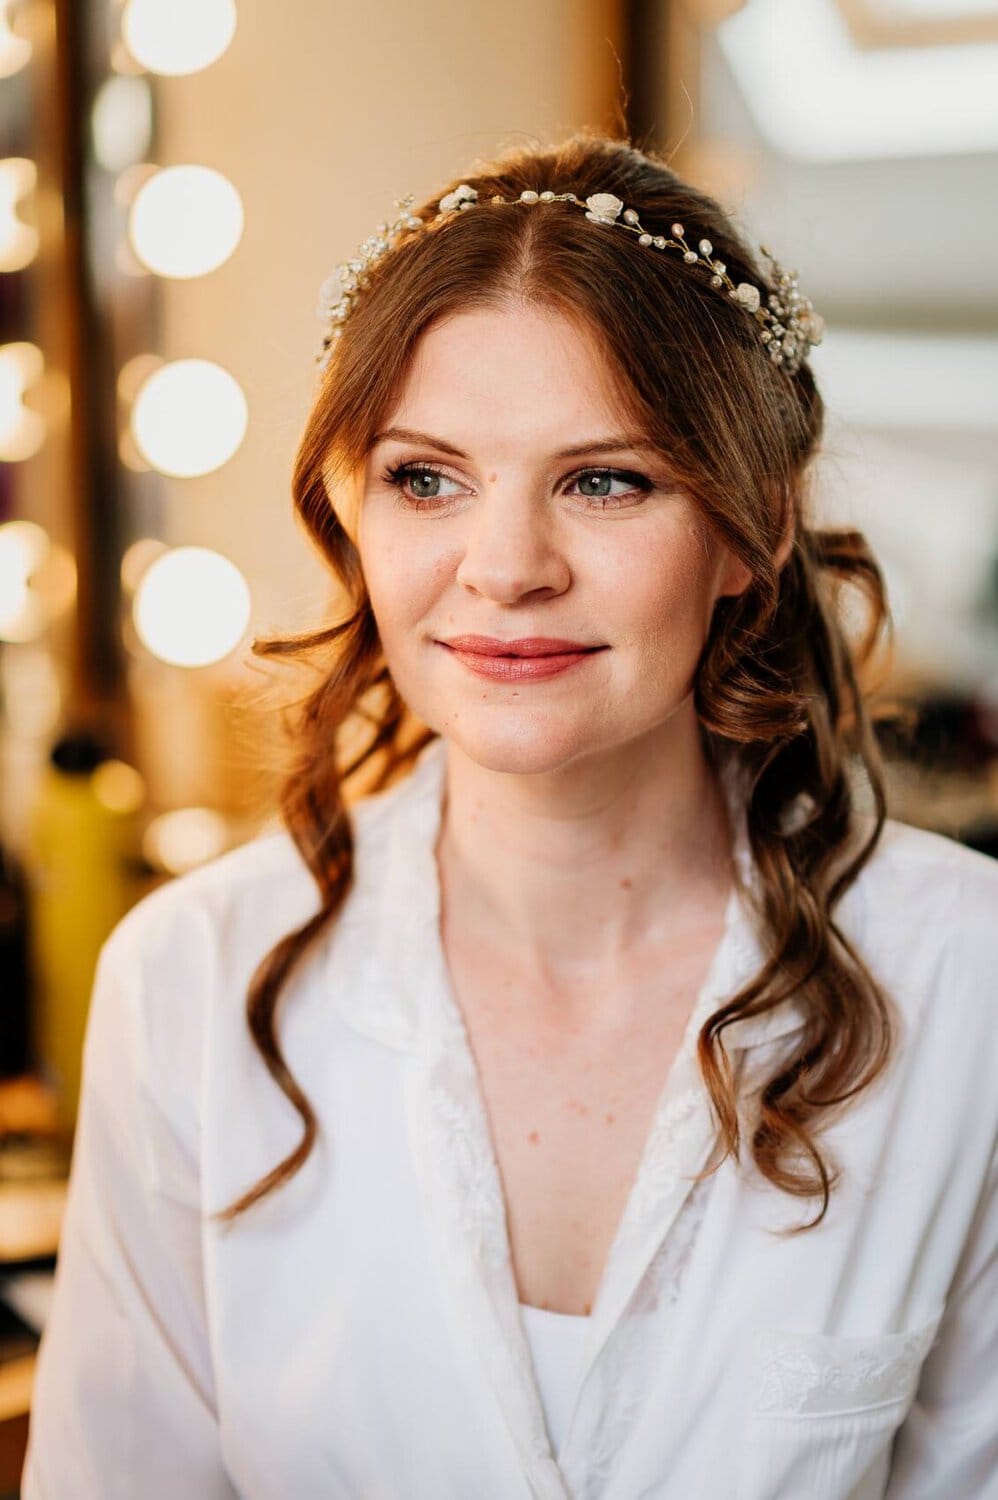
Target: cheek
{"x": 666, "y": 593}
{"x": 403, "y": 582}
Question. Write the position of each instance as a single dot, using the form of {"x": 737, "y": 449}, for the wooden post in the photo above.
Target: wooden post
{"x": 95, "y": 689}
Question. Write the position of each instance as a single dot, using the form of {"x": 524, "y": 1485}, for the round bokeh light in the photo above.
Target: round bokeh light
{"x": 192, "y": 607}
{"x": 189, "y": 418}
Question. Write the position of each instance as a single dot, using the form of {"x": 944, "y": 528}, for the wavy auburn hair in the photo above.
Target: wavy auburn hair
{"x": 779, "y": 684}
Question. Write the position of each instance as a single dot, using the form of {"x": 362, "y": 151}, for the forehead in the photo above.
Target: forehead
{"x": 512, "y": 373}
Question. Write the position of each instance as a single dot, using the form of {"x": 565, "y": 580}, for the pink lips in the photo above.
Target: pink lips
{"x": 529, "y": 645}
{"x": 529, "y": 658}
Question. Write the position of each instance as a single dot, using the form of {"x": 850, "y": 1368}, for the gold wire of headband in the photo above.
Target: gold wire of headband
{"x": 788, "y": 324}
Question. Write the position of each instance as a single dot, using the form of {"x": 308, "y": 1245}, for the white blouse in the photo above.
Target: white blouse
{"x": 358, "y": 1332}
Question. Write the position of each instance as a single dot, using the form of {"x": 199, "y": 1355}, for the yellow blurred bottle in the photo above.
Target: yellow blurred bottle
{"x": 84, "y": 835}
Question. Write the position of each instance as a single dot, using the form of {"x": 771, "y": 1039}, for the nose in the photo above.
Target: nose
{"x": 510, "y": 551}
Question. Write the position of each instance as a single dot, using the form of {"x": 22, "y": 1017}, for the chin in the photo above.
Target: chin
{"x": 518, "y": 749}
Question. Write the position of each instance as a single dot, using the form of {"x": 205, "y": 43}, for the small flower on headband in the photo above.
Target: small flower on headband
{"x": 603, "y": 208}
{"x": 747, "y": 295}
{"x": 461, "y": 195}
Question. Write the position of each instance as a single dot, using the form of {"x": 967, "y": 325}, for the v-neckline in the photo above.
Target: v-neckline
{"x": 679, "y": 1093}
{"x": 458, "y": 1162}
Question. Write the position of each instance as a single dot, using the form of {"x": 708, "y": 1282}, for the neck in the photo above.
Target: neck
{"x": 573, "y": 869}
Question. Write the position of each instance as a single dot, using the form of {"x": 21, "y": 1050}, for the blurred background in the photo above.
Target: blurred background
{"x": 178, "y": 177}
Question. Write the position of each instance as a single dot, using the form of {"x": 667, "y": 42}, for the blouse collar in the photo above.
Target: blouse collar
{"x": 391, "y": 923}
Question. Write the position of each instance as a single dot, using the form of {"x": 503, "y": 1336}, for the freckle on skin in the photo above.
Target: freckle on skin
{"x": 626, "y": 883}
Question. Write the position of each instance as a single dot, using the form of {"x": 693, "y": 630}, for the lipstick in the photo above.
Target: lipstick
{"x": 527, "y": 659}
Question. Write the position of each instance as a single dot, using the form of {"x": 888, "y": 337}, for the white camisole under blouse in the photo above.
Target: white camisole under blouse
{"x": 556, "y": 1344}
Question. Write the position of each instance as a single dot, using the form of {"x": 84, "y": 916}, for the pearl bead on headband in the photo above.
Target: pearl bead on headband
{"x": 788, "y": 324}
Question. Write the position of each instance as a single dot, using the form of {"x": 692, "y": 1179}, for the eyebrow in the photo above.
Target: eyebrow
{"x": 598, "y": 445}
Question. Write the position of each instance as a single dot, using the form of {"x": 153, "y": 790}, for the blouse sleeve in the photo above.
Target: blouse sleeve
{"x": 947, "y": 1448}
{"x": 123, "y": 1402}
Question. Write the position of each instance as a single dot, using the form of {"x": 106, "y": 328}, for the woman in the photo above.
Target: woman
{"x": 647, "y": 1071}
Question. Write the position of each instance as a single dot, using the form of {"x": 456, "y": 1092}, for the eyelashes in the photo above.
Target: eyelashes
{"x": 398, "y": 475}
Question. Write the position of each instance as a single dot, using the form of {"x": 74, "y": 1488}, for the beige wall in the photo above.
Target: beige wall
{"x": 322, "y": 114}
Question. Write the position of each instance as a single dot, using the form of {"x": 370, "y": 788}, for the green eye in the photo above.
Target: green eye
{"x": 417, "y": 484}
{"x": 425, "y": 484}
{"x": 595, "y": 484}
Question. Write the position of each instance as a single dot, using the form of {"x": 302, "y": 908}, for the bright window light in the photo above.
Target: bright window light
{"x": 909, "y": 380}
{"x": 816, "y": 97}
{"x": 934, "y": 10}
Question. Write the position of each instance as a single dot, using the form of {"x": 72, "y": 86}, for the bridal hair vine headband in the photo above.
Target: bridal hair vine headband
{"x": 788, "y": 324}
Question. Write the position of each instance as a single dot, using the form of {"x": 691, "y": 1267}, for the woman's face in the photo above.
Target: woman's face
{"x": 504, "y": 498}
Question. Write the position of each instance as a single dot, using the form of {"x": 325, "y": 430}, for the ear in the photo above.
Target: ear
{"x": 737, "y": 576}
{"x": 345, "y": 493}
{"x": 786, "y": 546}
